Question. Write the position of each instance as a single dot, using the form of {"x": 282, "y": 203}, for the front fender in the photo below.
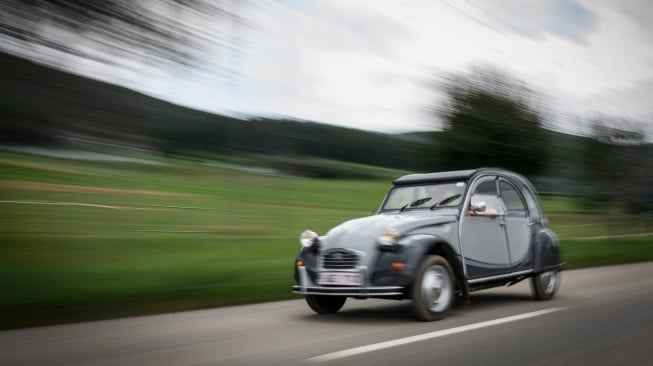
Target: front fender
{"x": 410, "y": 251}
{"x": 309, "y": 257}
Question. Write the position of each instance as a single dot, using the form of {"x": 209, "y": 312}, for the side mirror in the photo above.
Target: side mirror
{"x": 479, "y": 207}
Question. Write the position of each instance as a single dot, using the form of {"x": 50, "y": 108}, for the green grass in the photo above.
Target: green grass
{"x": 599, "y": 252}
{"x": 184, "y": 235}
{"x": 177, "y": 236}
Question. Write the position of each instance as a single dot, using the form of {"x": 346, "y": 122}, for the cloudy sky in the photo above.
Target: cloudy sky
{"x": 372, "y": 64}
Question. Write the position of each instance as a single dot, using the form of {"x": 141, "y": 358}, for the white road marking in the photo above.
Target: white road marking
{"x": 593, "y": 224}
{"x": 187, "y": 207}
{"x": 123, "y": 207}
{"x": 67, "y": 204}
{"x": 610, "y": 236}
{"x": 422, "y": 337}
{"x": 176, "y": 231}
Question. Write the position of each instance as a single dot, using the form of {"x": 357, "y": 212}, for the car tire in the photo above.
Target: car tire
{"x": 433, "y": 293}
{"x": 325, "y": 304}
{"x": 544, "y": 285}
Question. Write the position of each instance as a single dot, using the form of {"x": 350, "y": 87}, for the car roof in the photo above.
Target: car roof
{"x": 454, "y": 175}
{"x": 435, "y": 177}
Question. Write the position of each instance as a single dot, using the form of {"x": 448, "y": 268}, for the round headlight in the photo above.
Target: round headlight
{"x": 388, "y": 238}
{"x": 307, "y": 238}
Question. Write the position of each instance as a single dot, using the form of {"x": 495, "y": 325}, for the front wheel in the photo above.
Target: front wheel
{"x": 433, "y": 291}
{"x": 544, "y": 285}
{"x": 325, "y": 304}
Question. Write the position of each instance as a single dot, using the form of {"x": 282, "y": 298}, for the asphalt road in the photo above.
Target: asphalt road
{"x": 602, "y": 316}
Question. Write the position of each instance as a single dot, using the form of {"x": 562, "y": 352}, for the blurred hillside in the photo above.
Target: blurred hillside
{"x": 43, "y": 106}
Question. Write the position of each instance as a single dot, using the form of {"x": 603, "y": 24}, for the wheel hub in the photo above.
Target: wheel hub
{"x": 436, "y": 288}
{"x": 549, "y": 281}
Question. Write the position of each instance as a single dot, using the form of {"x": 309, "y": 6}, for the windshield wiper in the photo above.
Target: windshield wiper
{"x": 446, "y": 200}
{"x": 417, "y": 202}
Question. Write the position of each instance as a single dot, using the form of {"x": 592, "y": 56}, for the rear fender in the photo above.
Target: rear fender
{"x": 546, "y": 251}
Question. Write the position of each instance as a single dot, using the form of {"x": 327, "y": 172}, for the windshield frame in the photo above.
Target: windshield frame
{"x": 458, "y": 185}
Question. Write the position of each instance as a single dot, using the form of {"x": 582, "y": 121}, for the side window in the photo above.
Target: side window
{"x": 488, "y": 187}
{"x": 531, "y": 203}
{"x": 486, "y": 191}
{"x": 514, "y": 204}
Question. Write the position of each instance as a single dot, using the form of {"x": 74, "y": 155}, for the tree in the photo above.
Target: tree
{"x": 618, "y": 165}
{"x": 489, "y": 120}
{"x": 172, "y": 34}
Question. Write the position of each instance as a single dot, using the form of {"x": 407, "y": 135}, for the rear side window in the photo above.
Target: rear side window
{"x": 512, "y": 200}
{"x": 533, "y": 210}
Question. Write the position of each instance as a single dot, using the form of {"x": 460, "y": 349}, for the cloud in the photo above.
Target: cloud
{"x": 640, "y": 13}
{"x": 536, "y": 18}
{"x": 346, "y": 63}
{"x": 370, "y": 65}
{"x": 335, "y": 62}
{"x": 342, "y": 25}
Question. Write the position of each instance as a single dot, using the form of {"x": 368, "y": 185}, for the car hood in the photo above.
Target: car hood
{"x": 361, "y": 234}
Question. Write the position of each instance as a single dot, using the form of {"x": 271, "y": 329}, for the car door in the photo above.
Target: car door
{"x": 517, "y": 225}
{"x": 482, "y": 234}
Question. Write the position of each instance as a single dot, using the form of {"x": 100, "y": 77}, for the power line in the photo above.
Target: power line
{"x": 489, "y": 13}
{"x": 483, "y": 24}
{"x": 474, "y": 18}
{"x": 421, "y": 13}
{"x": 557, "y": 63}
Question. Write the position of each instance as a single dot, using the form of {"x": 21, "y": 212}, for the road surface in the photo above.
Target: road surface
{"x": 602, "y": 316}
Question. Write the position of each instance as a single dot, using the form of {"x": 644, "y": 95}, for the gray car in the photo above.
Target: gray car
{"x": 436, "y": 236}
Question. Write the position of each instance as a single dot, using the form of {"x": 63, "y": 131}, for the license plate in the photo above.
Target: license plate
{"x": 340, "y": 278}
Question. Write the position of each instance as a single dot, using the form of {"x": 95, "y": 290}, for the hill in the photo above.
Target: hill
{"x": 44, "y": 106}
{"x": 47, "y": 107}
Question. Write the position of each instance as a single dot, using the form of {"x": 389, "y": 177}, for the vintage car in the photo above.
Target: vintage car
{"x": 436, "y": 236}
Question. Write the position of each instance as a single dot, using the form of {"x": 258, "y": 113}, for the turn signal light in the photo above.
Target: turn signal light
{"x": 398, "y": 266}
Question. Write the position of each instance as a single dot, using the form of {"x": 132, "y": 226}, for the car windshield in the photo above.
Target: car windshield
{"x": 432, "y": 195}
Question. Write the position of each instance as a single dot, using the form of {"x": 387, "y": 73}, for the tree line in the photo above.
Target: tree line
{"x": 44, "y": 106}
{"x": 491, "y": 119}
{"x": 488, "y": 120}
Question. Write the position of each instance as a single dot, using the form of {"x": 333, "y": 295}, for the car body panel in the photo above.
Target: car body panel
{"x": 484, "y": 246}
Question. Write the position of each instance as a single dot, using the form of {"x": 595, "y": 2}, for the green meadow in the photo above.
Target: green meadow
{"x": 83, "y": 240}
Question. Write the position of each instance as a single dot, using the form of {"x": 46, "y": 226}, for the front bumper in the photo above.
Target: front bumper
{"x": 307, "y": 287}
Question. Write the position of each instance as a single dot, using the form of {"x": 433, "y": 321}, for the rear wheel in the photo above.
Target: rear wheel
{"x": 325, "y": 304}
{"x": 544, "y": 285}
{"x": 433, "y": 291}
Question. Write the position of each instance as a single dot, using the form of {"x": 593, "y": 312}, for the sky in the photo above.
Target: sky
{"x": 375, "y": 65}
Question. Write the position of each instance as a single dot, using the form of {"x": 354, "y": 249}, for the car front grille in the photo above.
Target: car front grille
{"x": 340, "y": 259}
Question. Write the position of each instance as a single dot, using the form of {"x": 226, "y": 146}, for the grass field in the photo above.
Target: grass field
{"x": 86, "y": 240}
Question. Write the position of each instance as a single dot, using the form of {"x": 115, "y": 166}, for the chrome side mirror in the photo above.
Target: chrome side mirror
{"x": 479, "y": 207}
